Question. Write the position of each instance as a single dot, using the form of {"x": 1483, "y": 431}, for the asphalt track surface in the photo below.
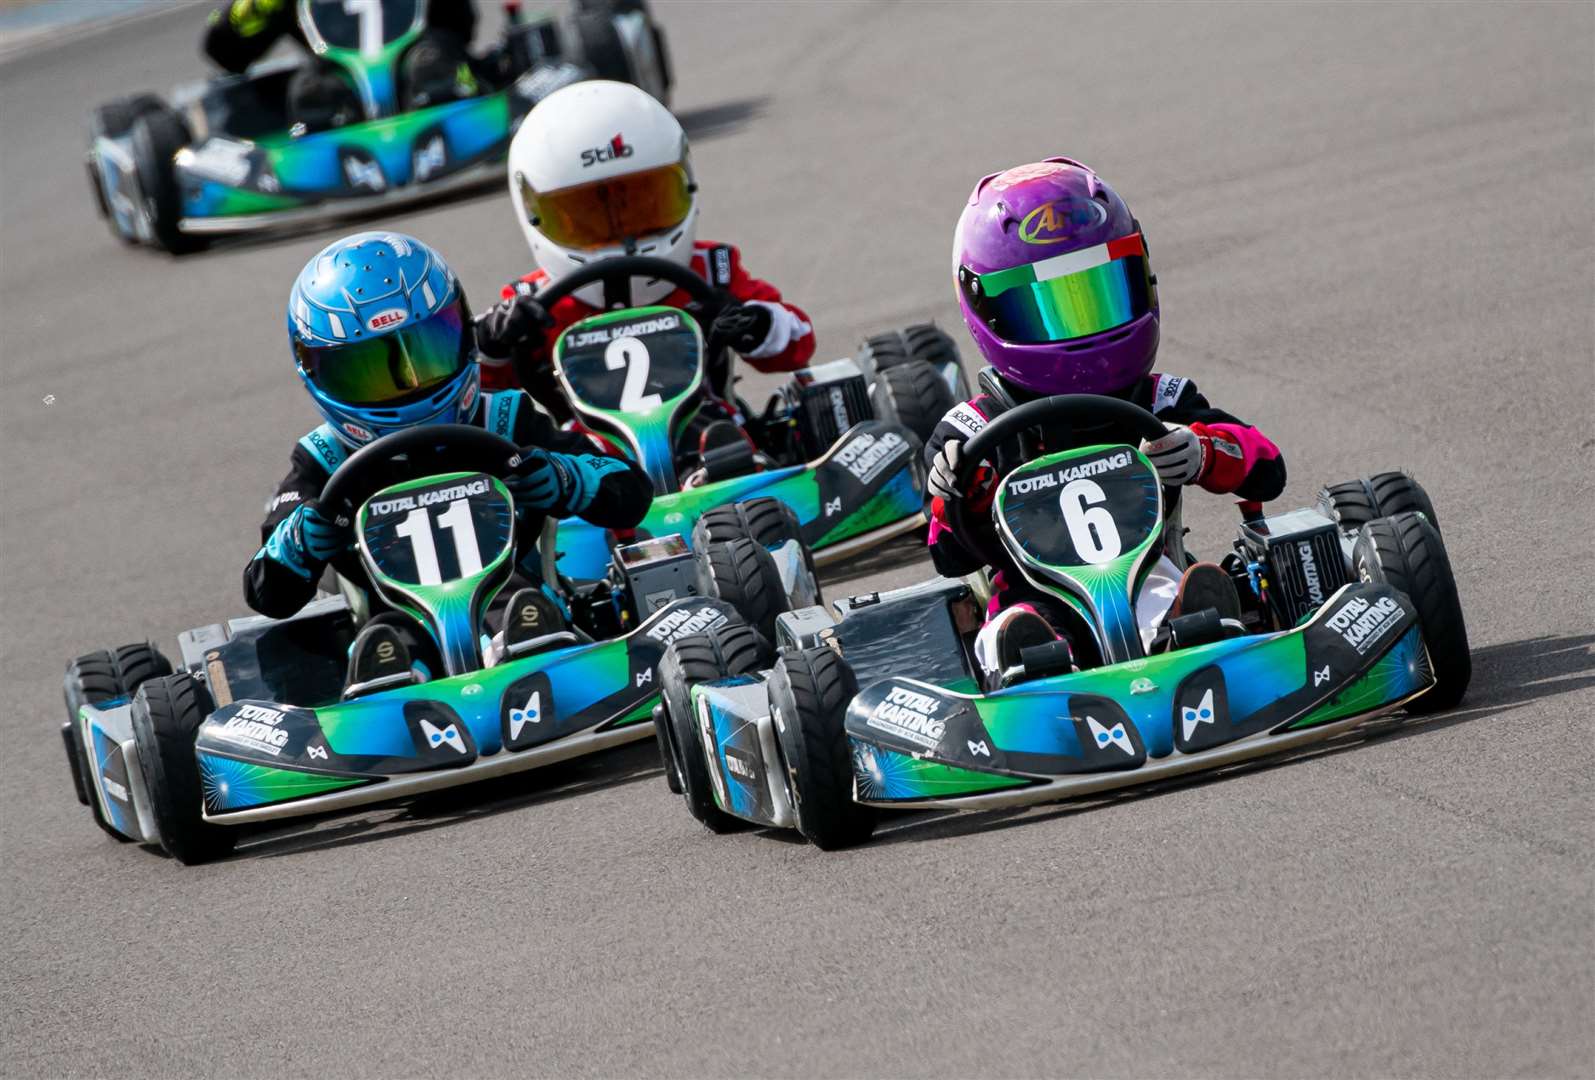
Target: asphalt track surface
{"x": 1374, "y": 231}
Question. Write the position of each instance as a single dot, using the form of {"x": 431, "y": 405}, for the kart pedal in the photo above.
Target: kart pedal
{"x": 378, "y": 660}
{"x": 1001, "y": 644}
{"x": 1196, "y": 628}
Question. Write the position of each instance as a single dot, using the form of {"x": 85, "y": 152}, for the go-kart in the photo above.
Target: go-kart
{"x": 1349, "y": 611}
{"x": 258, "y": 724}
{"x": 837, "y": 447}
{"x": 223, "y": 156}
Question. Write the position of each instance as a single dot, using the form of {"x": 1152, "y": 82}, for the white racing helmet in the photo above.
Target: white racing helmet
{"x": 600, "y": 169}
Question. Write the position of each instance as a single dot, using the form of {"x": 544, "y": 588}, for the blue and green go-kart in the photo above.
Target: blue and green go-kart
{"x": 833, "y": 461}
{"x": 1350, "y": 610}
{"x": 258, "y": 723}
{"x": 223, "y": 158}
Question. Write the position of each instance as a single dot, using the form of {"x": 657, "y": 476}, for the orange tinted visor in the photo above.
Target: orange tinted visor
{"x": 608, "y": 212}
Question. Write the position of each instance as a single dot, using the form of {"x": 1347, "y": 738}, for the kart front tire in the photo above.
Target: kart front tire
{"x": 810, "y": 690}
{"x": 914, "y": 395}
{"x": 1357, "y": 502}
{"x": 743, "y": 573}
{"x": 167, "y": 713}
{"x": 921, "y": 341}
{"x": 115, "y": 117}
{"x": 91, "y": 680}
{"x": 157, "y": 136}
{"x": 732, "y": 649}
{"x": 599, "y": 45}
{"x": 1405, "y": 552}
{"x": 766, "y": 521}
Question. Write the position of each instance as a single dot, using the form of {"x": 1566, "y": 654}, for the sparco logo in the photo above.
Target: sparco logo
{"x": 1362, "y": 623}
{"x": 617, "y": 148}
{"x": 1025, "y": 485}
{"x": 1309, "y": 569}
{"x": 910, "y": 715}
{"x": 679, "y": 624}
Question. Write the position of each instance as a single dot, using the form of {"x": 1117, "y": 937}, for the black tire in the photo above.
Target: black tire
{"x": 157, "y": 136}
{"x": 116, "y": 117}
{"x": 915, "y": 395}
{"x": 599, "y": 46}
{"x": 1406, "y": 553}
{"x": 767, "y": 521}
{"x": 811, "y": 689}
{"x": 167, "y": 714}
{"x": 1357, "y": 502}
{"x": 743, "y": 574}
{"x": 732, "y": 649}
{"x": 95, "y": 678}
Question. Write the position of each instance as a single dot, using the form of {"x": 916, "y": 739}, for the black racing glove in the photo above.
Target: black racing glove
{"x": 517, "y": 323}
{"x": 740, "y": 327}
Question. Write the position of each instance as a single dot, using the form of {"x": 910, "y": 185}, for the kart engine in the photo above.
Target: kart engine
{"x": 1301, "y": 561}
{"x": 830, "y": 398}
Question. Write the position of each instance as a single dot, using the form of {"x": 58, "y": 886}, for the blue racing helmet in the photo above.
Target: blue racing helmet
{"x": 382, "y": 337}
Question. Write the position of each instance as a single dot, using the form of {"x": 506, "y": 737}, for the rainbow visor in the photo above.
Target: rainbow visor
{"x": 1069, "y": 296}
{"x": 394, "y": 367}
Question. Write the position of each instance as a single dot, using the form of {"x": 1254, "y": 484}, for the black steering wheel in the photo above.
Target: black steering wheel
{"x": 1083, "y": 416}
{"x": 412, "y": 453}
{"x": 617, "y": 273}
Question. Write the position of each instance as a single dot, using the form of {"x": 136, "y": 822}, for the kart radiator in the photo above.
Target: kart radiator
{"x": 830, "y": 399}
{"x": 1301, "y": 558}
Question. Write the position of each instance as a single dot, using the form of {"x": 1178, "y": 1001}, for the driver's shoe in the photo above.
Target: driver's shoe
{"x": 1000, "y": 644}
{"x": 379, "y": 659}
{"x": 1207, "y": 585}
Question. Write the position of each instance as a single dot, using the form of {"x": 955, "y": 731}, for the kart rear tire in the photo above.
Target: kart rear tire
{"x": 91, "y": 680}
{"x": 599, "y": 46}
{"x": 913, "y": 394}
{"x": 810, "y": 690}
{"x": 1357, "y": 502}
{"x": 167, "y": 714}
{"x": 732, "y": 649}
{"x": 766, "y": 521}
{"x": 743, "y": 574}
{"x": 1405, "y": 552}
{"x": 115, "y": 117}
{"x": 921, "y": 341}
{"x": 157, "y": 136}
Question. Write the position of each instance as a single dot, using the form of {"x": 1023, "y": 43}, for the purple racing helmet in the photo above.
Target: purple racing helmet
{"x": 1054, "y": 282}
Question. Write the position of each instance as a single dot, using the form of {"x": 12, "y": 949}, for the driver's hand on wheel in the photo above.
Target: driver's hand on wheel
{"x": 943, "y": 479}
{"x": 1180, "y": 457}
{"x": 741, "y": 327}
{"x": 535, "y": 484}
{"x": 519, "y": 322}
{"x": 310, "y": 535}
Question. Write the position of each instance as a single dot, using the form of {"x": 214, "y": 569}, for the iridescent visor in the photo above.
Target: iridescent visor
{"x": 1071, "y": 296}
{"x": 388, "y": 369}
{"x": 608, "y": 212}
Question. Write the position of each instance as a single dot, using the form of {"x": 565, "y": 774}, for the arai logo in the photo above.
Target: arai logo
{"x": 1055, "y": 222}
{"x": 384, "y": 319}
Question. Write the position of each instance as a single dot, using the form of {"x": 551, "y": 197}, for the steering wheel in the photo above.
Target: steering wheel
{"x": 617, "y": 272}
{"x": 1102, "y": 419}
{"x": 411, "y": 453}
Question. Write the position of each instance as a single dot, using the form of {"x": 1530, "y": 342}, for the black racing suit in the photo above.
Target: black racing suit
{"x": 1252, "y": 469}
{"x": 318, "y": 95}
{"x": 276, "y": 587}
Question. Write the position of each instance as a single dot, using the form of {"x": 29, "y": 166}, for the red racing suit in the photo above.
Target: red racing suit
{"x": 787, "y": 347}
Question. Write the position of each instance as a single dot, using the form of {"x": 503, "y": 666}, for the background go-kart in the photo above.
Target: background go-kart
{"x": 1373, "y": 229}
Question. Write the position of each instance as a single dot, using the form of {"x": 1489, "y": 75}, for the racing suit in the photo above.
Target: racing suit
{"x": 787, "y": 346}
{"x": 1245, "y": 462}
{"x": 278, "y": 581}
{"x": 319, "y": 96}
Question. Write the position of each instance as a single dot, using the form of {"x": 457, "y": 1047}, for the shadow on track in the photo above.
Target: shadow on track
{"x": 713, "y": 121}
{"x": 630, "y": 764}
{"x": 1506, "y": 677}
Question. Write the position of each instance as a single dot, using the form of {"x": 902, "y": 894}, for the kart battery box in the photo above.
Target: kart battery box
{"x": 1301, "y": 558}
{"x": 830, "y": 399}
{"x": 657, "y": 571}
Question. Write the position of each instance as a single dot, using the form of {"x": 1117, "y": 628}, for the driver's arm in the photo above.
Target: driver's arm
{"x": 615, "y": 492}
{"x": 948, "y": 554}
{"x": 242, "y": 31}
{"x": 282, "y": 576}
{"x": 1245, "y": 462}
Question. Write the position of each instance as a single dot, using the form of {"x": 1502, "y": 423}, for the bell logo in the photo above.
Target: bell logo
{"x": 384, "y": 319}
{"x": 1055, "y": 222}
{"x": 617, "y": 148}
